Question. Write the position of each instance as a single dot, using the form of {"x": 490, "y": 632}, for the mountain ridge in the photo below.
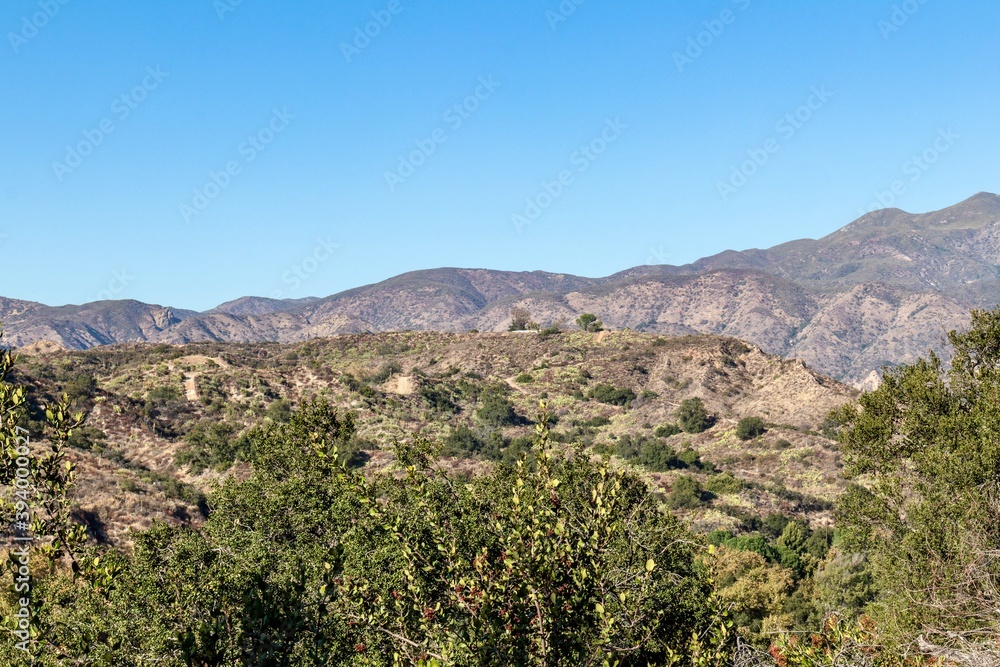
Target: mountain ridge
{"x": 878, "y": 291}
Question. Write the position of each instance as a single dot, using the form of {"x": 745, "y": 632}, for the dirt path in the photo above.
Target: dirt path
{"x": 191, "y": 377}
{"x": 190, "y": 386}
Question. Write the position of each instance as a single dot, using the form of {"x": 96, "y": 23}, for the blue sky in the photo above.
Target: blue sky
{"x": 190, "y": 153}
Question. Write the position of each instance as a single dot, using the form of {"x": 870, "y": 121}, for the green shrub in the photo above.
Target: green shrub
{"x": 749, "y": 428}
{"x": 496, "y": 410}
{"x": 606, "y": 393}
{"x": 87, "y": 438}
{"x": 524, "y": 378}
{"x": 160, "y": 396}
{"x": 666, "y": 430}
{"x": 386, "y": 371}
{"x": 693, "y": 417}
{"x": 211, "y": 444}
{"x": 129, "y": 485}
{"x": 658, "y": 456}
{"x": 439, "y": 398}
{"x": 819, "y": 543}
{"x": 463, "y": 442}
{"x": 689, "y": 458}
{"x": 81, "y": 388}
{"x": 774, "y": 524}
{"x": 686, "y": 493}
{"x": 723, "y": 484}
{"x": 279, "y": 411}
{"x": 756, "y": 543}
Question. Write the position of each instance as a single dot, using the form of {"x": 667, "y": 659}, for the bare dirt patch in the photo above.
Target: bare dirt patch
{"x": 402, "y": 385}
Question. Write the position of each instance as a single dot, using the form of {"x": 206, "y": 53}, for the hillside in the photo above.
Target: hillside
{"x": 166, "y": 422}
{"x": 880, "y": 291}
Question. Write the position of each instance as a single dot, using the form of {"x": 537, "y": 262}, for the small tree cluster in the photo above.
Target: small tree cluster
{"x": 520, "y": 320}
{"x": 589, "y": 322}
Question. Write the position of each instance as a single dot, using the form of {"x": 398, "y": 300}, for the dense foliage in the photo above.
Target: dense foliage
{"x": 306, "y": 562}
{"x": 925, "y": 452}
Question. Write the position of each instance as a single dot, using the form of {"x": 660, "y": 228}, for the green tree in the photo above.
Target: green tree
{"x": 924, "y": 455}
{"x": 589, "y": 322}
{"x": 496, "y": 409}
{"x": 693, "y": 417}
{"x": 520, "y": 318}
{"x": 793, "y": 537}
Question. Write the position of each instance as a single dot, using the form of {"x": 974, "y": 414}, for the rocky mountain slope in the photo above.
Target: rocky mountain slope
{"x": 882, "y": 290}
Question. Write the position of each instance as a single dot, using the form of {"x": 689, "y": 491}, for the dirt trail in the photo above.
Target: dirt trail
{"x": 191, "y": 377}
{"x": 190, "y": 386}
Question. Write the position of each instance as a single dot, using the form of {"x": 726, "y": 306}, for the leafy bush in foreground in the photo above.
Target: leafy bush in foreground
{"x": 563, "y": 561}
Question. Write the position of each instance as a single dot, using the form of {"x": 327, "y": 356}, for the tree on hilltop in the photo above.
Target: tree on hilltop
{"x": 520, "y": 318}
{"x": 589, "y": 322}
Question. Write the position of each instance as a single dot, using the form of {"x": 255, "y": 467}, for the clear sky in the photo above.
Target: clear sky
{"x": 187, "y": 153}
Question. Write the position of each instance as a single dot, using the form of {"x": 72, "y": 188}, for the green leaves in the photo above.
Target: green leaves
{"x": 565, "y": 573}
{"x": 924, "y": 456}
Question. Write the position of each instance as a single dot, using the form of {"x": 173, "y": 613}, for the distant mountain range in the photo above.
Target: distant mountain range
{"x": 882, "y": 290}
